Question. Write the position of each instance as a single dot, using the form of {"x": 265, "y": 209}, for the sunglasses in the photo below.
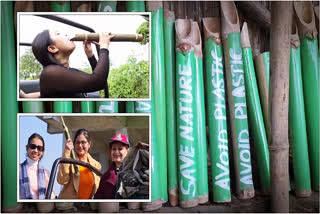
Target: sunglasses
{"x": 33, "y": 146}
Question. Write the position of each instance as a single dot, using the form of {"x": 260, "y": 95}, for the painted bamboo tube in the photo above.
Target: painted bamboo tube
{"x": 169, "y": 48}
{"x": 201, "y": 122}
{"x": 107, "y": 6}
{"x": 216, "y": 110}
{"x": 88, "y": 107}
{"x": 135, "y": 6}
{"x": 310, "y": 77}
{"x": 237, "y": 100}
{"x": 281, "y": 15}
{"x": 107, "y": 107}
{"x": 9, "y": 109}
{"x": 262, "y": 70}
{"x": 186, "y": 115}
{"x": 130, "y": 106}
{"x": 255, "y": 113}
{"x": 156, "y": 202}
{"x": 297, "y": 121}
{"x": 116, "y": 38}
{"x": 62, "y": 106}
{"x": 142, "y": 107}
{"x": 33, "y": 107}
{"x": 60, "y": 6}
{"x": 158, "y": 81}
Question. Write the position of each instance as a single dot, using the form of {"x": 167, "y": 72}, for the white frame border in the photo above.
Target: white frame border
{"x": 82, "y": 13}
{"x": 84, "y": 114}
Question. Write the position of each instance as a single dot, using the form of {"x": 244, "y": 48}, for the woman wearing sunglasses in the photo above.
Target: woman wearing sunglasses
{"x": 33, "y": 178}
{"x": 85, "y": 184}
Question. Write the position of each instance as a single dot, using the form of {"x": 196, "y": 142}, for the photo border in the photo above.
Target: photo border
{"x": 82, "y": 13}
{"x": 84, "y": 114}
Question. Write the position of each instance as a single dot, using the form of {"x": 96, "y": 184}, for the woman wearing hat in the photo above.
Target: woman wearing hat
{"x": 119, "y": 148}
{"x": 33, "y": 178}
{"x": 85, "y": 184}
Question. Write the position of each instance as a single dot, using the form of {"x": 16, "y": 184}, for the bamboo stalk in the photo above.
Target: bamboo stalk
{"x": 236, "y": 100}
{"x": 281, "y": 16}
{"x": 116, "y": 38}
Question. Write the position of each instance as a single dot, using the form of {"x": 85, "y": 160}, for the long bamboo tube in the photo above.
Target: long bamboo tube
{"x": 297, "y": 121}
{"x": 169, "y": 48}
{"x": 116, "y": 38}
{"x": 88, "y": 107}
{"x": 216, "y": 110}
{"x": 262, "y": 65}
{"x": 255, "y": 113}
{"x": 62, "y": 106}
{"x": 156, "y": 202}
{"x": 310, "y": 76}
{"x": 107, "y": 107}
{"x": 186, "y": 48}
{"x": 9, "y": 110}
{"x": 237, "y": 100}
{"x": 135, "y": 6}
{"x": 130, "y": 106}
{"x": 60, "y": 6}
{"x": 158, "y": 81}
{"x": 33, "y": 107}
{"x": 107, "y": 6}
{"x": 281, "y": 16}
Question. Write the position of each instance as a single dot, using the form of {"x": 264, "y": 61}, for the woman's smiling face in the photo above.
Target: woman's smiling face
{"x": 62, "y": 42}
{"x": 82, "y": 145}
{"x": 118, "y": 152}
{"x": 35, "y": 149}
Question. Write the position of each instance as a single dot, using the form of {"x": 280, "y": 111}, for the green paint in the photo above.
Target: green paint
{"x": 241, "y": 131}
{"x": 107, "y": 107}
{"x": 256, "y": 122}
{"x": 158, "y": 82}
{"x": 59, "y": 6}
{"x": 142, "y": 107}
{"x": 62, "y": 106}
{"x": 217, "y": 121}
{"x": 186, "y": 126}
{"x": 201, "y": 130}
{"x": 33, "y": 107}
{"x": 129, "y": 106}
{"x": 9, "y": 108}
{"x": 135, "y": 6}
{"x": 107, "y": 6}
{"x": 169, "y": 48}
{"x": 88, "y": 107}
{"x": 297, "y": 125}
{"x": 310, "y": 77}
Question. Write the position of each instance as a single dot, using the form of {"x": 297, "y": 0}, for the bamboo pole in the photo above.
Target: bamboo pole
{"x": 297, "y": 121}
{"x": 281, "y": 15}
{"x": 186, "y": 49}
{"x": 237, "y": 100}
{"x": 135, "y": 6}
{"x": 116, "y": 38}
{"x": 255, "y": 113}
{"x": 142, "y": 107}
{"x": 60, "y": 6}
{"x": 107, "y": 6}
{"x": 107, "y": 106}
{"x": 169, "y": 48}
{"x": 310, "y": 76}
{"x": 158, "y": 81}
{"x": 216, "y": 110}
{"x": 9, "y": 110}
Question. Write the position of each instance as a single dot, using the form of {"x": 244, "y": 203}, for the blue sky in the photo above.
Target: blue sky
{"x": 53, "y": 143}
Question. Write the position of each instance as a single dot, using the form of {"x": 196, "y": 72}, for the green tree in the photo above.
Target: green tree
{"x": 29, "y": 67}
{"x": 130, "y": 80}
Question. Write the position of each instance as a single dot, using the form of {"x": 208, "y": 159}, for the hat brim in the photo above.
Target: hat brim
{"x": 117, "y": 141}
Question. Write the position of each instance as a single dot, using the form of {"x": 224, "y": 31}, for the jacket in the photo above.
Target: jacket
{"x": 107, "y": 184}
{"x": 69, "y": 179}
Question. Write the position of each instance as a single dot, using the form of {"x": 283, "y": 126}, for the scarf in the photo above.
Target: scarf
{"x": 24, "y": 182}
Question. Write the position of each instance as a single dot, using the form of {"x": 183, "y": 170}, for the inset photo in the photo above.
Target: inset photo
{"x": 85, "y": 158}
{"x": 77, "y": 56}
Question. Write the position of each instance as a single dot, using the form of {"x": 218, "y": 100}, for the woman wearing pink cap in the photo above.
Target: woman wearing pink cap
{"x": 119, "y": 148}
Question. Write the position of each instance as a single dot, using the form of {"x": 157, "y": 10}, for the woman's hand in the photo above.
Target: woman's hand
{"x": 104, "y": 39}
{"x": 69, "y": 145}
{"x": 87, "y": 48}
